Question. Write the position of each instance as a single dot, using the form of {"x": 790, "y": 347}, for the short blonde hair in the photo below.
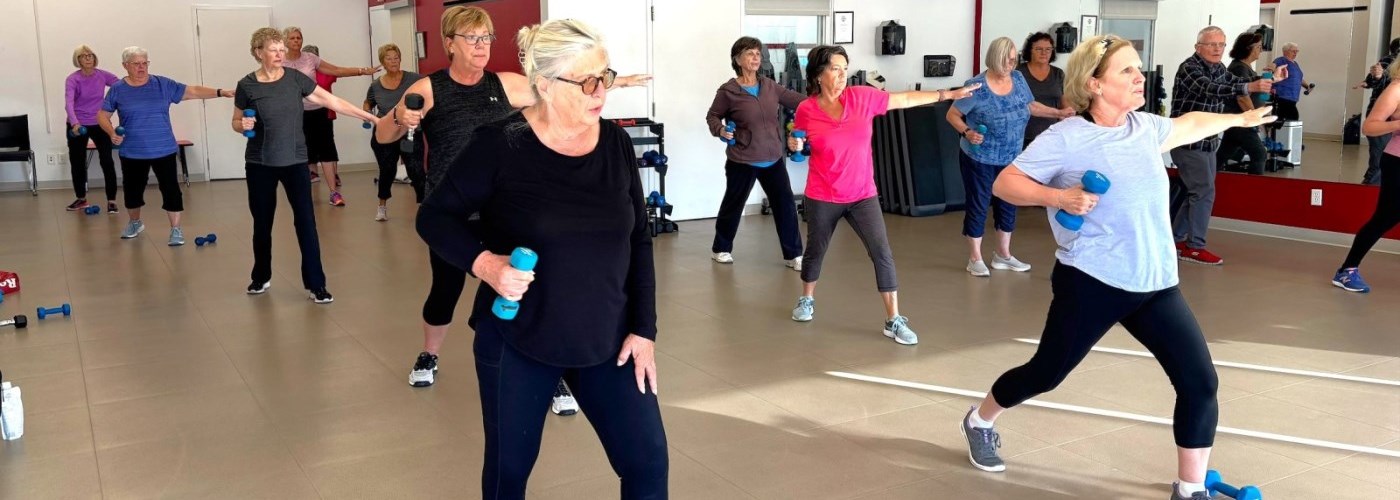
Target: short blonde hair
{"x": 78, "y": 52}
{"x": 457, "y": 18}
{"x": 385, "y": 49}
{"x": 261, "y": 38}
{"x": 997, "y": 53}
{"x": 287, "y": 33}
{"x": 1086, "y": 62}
{"x": 548, "y": 49}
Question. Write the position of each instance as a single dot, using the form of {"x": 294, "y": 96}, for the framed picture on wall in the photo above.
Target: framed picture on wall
{"x": 1088, "y": 27}
{"x": 420, "y": 44}
{"x": 843, "y": 25}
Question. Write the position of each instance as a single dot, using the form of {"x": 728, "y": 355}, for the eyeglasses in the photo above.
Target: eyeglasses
{"x": 590, "y": 84}
{"x": 1220, "y": 45}
{"x": 1042, "y": 49}
{"x": 141, "y": 64}
{"x": 476, "y": 39}
{"x": 86, "y": 55}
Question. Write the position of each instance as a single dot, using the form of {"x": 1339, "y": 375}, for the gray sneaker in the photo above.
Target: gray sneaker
{"x": 133, "y": 228}
{"x": 898, "y": 329}
{"x": 1199, "y": 495}
{"x": 978, "y": 268}
{"x": 803, "y": 311}
{"x": 177, "y": 237}
{"x": 982, "y": 445}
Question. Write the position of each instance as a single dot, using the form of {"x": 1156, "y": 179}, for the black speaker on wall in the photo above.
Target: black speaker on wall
{"x": 891, "y": 39}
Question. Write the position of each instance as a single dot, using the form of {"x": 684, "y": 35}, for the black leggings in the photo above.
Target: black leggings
{"x": 515, "y": 394}
{"x": 1082, "y": 311}
{"x": 448, "y": 282}
{"x": 1386, "y": 216}
{"x": 136, "y": 174}
{"x": 78, "y": 155}
{"x": 1248, "y": 140}
{"x": 388, "y": 157}
{"x": 774, "y": 179}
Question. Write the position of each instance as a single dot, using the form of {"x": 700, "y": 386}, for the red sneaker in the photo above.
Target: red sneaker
{"x": 1180, "y": 248}
{"x": 1201, "y": 256}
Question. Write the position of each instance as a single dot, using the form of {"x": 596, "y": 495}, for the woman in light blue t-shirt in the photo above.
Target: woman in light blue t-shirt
{"x": 993, "y": 125}
{"x": 1120, "y": 266}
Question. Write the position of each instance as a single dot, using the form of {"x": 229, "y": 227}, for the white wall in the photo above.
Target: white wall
{"x": 1334, "y": 52}
{"x": 1011, "y": 18}
{"x": 1178, "y": 21}
{"x": 39, "y": 64}
{"x": 931, "y": 28}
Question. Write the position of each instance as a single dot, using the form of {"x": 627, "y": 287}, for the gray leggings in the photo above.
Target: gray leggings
{"x": 869, "y": 224}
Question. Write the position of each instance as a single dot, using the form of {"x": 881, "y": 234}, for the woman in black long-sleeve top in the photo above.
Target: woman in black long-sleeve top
{"x": 557, "y": 179}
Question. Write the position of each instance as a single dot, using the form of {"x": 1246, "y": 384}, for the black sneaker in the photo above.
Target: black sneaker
{"x": 321, "y": 296}
{"x": 77, "y": 205}
{"x": 423, "y": 370}
{"x": 256, "y": 288}
{"x": 111, "y": 207}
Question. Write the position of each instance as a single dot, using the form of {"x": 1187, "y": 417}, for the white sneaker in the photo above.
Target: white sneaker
{"x": 564, "y": 403}
{"x": 723, "y": 258}
{"x": 978, "y": 268}
{"x": 795, "y": 264}
{"x": 382, "y": 214}
{"x": 1009, "y": 264}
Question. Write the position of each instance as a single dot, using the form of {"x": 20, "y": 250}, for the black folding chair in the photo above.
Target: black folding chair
{"x": 14, "y": 133}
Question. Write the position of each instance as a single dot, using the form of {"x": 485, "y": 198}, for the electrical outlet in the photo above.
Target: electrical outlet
{"x": 53, "y": 158}
{"x": 1317, "y": 197}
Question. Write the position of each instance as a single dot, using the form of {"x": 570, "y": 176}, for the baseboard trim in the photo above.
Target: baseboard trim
{"x": 194, "y": 177}
{"x": 1299, "y": 234}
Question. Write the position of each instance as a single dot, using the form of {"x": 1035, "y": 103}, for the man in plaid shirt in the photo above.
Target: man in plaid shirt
{"x": 1203, "y": 84}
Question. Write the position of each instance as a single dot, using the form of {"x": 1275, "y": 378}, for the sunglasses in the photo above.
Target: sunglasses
{"x": 590, "y": 85}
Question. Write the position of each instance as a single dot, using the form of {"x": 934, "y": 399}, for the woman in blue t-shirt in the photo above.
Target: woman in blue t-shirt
{"x": 1120, "y": 266}
{"x": 1003, "y": 106}
{"x": 142, "y": 102}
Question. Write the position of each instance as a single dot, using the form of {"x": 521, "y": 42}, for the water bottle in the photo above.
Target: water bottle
{"x": 11, "y": 412}
{"x": 1269, "y": 77}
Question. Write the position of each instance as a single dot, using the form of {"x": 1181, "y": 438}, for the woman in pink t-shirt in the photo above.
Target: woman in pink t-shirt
{"x": 841, "y": 175}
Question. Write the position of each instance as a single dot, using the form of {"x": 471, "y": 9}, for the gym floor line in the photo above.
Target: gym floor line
{"x": 1122, "y": 415}
{"x": 1248, "y": 366}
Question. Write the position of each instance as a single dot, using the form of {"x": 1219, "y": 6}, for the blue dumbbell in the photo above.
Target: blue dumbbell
{"x": 249, "y": 113}
{"x": 121, "y": 132}
{"x": 981, "y": 130}
{"x": 92, "y": 209}
{"x": 800, "y": 156}
{"x": 728, "y": 127}
{"x": 200, "y": 241}
{"x": 1215, "y": 485}
{"x": 1095, "y": 183}
{"x": 522, "y": 259}
{"x": 65, "y": 309}
{"x": 367, "y": 125}
{"x": 81, "y": 131}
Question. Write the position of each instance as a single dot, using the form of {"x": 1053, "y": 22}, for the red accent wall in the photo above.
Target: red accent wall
{"x": 1286, "y": 202}
{"x": 508, "y": 16}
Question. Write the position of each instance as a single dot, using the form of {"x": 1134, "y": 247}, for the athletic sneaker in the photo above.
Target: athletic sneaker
{"x": 982, "y": 445}
{"x": 177, "y": 237}
{"x": 315, "y": 177}
{"x": 803, "y": 311}
{"x": 77, "y": 204}
{"x": 1350, "y": 280}
{"x": 1009, "y": 264}
{"x": 564, "y": 403}
{"x": 423, "y": 370}
{"x": 111, "y": 207}
{"x": 795, "y": 264}
{"x": 898, "y": 329}
{"x": 1201, "y": 256}
{"x": 321, "y": 296}
{"x": 382, "y": 214}
{"x": 133, "y": 228}
{"x": 256, "y": 288}
{"x": 978, "y": 268}
{"x": 337, "y": 180}
{"x": 723, "y": 258}
{"x": 1199, "y": 495}
{"x": 336, "y": 199}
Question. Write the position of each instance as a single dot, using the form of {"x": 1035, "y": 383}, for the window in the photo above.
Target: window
{"x": 1136, "y": 31}
{"x": 777, "y": 31}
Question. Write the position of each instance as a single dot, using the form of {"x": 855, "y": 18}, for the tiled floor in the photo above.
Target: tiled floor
{"x": 169, "y": 382}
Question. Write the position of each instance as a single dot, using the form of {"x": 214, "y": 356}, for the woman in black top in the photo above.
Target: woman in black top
{"x": 1047, "y": 82}
{"x": 276, "y": 153}
{"x": 557, "y": 179}
{"x": 456, "y": 100}
{"x": 1244, "y": 53}
{"x": 380, "y": 99}
{"x": 751, "y": 104}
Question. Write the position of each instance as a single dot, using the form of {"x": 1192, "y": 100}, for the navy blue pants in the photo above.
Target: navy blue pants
{"x": 1082, "y": 311}
{"x": 977, "y": 183}
{"x": 515, "y": 396}
{"x": 262, "y": 202}
{"x": 774, "y": 179}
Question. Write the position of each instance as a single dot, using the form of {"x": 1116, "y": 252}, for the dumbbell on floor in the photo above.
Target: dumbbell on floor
{"x": 66, "y": 309}
{"x": 1214, "y": 485}
{"x": 200, "y": 241}
{"x": 92, "y": 209}
{"x": 19, "y": 321}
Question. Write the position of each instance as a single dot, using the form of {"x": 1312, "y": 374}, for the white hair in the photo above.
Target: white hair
{"x": 1289, "y": 46}
{"x": 133, "y": 51}
{"x": 1209, "y": 30}
{"x": 548, "y": 50}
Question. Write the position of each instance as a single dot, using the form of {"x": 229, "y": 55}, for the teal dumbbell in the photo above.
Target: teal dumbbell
{"x": 1095, "y": 183}
{"x": 800, "y": 156}
{"x": 1267, "y": 76}
{"x": 982, "y": 131}
{"x": 1214, "y": 485}
{"x": 121, "y": 132}
{"x": 522, "y": 259}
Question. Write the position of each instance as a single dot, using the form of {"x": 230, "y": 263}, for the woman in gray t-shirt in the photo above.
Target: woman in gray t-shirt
{"x": 1119, "y": 267}
{"x": 1047, "y": 82}
{"x": 381, "y": 98}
